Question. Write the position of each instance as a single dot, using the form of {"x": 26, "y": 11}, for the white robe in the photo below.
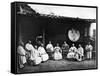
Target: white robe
{"x": 89, "y": 49}
{"x": 43, "y": 53}
{"x": 34, "y": 56}
{"x": 29, "y": 46}
{"x": 72, "y": 52}
{"x": 81, "y": 51}
{"x": 57, "y": 53}
{"x": 21, "y": 52}
{"x": 49, "y": 48}
{"x": 80, "y": 54}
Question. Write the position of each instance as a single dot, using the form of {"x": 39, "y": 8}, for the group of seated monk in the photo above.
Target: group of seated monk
{"x": 31, "y": 53}
{"x": 36, "y": 55}
{"x": 65, "y": 52}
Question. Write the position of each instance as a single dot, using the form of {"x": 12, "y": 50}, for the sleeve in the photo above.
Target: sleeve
{"x": 21, "y": 50}
{"x": 60, "y": 50}
{"x": 27, "y": 46}
{"x": 82, "y": 51}
{"x": 70, "y": 49}
{"x": 86, "y": 47}
{"x": 47, "y": 47}
{"x": 91, "y": 48}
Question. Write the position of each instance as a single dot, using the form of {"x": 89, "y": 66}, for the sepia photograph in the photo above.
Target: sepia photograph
{"x": 53, "y": 37}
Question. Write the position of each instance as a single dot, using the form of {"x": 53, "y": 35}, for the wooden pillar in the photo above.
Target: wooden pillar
{"x": 43, "y": 37}
{"x": 86, "y": 31}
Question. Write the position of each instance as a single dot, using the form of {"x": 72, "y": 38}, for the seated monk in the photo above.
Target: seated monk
{"x": 50, "y": 49}
{"x": 21, "y": 54}
{"x": 57, "y": 53}
{"x": 65, "y": 49}
{"x": 43, "y": 53}
{"x": 72, "y": 52}
{"x": 80, "y": 53}
{"x": 34, "y": 55}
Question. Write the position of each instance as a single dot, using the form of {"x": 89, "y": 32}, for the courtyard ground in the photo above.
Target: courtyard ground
{"x": 64, "y": 65}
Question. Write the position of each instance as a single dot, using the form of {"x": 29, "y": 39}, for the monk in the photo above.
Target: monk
{"x": 42, "y": 53}
{"x": 72, "y": 52}
{"x": 50, "y": 49}
{"x": 89, "y": 49}
{"x": 80, "y": 53}
{"x": 65, "y": 49}
{"x": 34, "y": 54}
{"x": 22, "y": 55}
{"x": 57, "y": 52}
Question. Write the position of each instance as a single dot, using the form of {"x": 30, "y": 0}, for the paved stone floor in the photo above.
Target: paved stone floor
{"x": 52, "y": 65}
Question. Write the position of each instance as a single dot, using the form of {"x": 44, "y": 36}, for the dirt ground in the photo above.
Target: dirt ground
{"x": 61, "y": 65}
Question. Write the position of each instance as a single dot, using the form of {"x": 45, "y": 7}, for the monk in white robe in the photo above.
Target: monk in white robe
{"x": 36, "y": 57}
{"x": 43, "y": 53}
{"x": 34, "y": 54}
{"x": 89, "y": 49}
{"x": 50, "y": 49}
{"x": 80, "y": 53}
{"x": 72, "y": 52}
{"x": 21, "y": 53}
{"x": 57, "y": 53}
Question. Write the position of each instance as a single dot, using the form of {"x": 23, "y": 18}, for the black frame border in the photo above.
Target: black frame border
{"x": 13, "y": 37}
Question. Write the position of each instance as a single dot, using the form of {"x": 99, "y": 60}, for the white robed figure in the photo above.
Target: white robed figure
{"x": 34, "y": 54}
{"x": 50, "y": 49}
{"x": 21, "y": 54}
{"x": 72, "y": 52}
{"x": 80, "y": 53}
{"x": 57, "y": 53}
{"x": 43, "y": 53}
{"x": 89, "y": 49}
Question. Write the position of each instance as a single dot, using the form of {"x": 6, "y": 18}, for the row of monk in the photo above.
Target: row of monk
{"x": 36, "y": 55}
